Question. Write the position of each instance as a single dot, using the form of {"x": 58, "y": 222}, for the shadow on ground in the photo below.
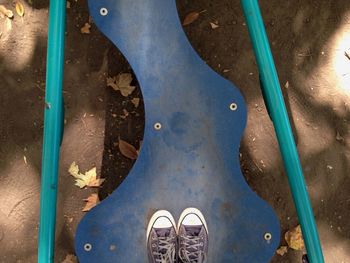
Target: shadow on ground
{"x": 307, "y": 42}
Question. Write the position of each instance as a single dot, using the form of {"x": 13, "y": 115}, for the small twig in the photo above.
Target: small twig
{"x": 347, "y": 54}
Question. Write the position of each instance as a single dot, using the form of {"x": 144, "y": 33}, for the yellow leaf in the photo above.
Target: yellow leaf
{"x": 88, "y": 179}
{"x": 74, "y": 170}
{"x": 91, "y": 202}
{"x": 19, "y": 9}
{"x": 190, "y": 18}
{"x": 127, "y": 150}
{"x": 85, "y": 29}
{"x": 295, "y": 239}
{"x": 122, "y": 83}
{"x": 5, "y": 11}
{"x": 85, "y": 179}
{"x": 282, "y": 250}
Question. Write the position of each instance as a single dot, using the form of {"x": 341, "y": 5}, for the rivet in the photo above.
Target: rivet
{"x": 87, "y": 247}
{"x": 157, "y": 126}
{"x": 103, "y": 11}
{"x": 268, "y": 237}
{"x": 233, "y": 106}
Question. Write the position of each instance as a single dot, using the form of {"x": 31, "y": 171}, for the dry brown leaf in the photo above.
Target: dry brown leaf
{"x": 70, "y": 259}
{"x": 190, "y": 18}
{"x": 122, "y": 83}
{"x": 68, "y": 5}
{"x": 91, "y": 202}
{"x": 5, "y": 12}
{"x": 85, "y": 29}
{"x": 136, "y": 102}
{"x": 19, "y": 9}
{"x": 214, "y": 25}
{"x": 127, "y": 150}
{"x": 339, "y": 137}
{"x": 295, "y": 239}
{"x": 282, "y": 250}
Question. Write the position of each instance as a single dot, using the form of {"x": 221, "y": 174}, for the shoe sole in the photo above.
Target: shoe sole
{"x": 192, "y": 210}
{"x": 155, "y": 216}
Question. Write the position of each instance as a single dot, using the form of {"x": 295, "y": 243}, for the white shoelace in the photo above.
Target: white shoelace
{"x": 196, "y": 256}
{"x": 167, "y": 244}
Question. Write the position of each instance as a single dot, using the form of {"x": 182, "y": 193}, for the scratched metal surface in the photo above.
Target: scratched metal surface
{"x": 192, "y": 161}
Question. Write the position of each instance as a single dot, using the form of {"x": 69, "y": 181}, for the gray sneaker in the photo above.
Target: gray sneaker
{"x": 161, "y": 238}
{"x": 193, "y": 236}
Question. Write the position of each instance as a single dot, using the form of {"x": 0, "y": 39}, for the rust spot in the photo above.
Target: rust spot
{"x": 226, "y": 209}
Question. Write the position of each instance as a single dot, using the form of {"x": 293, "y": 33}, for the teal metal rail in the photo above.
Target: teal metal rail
{"x": 53, "y": 127}
{"x": 278, "y": 113}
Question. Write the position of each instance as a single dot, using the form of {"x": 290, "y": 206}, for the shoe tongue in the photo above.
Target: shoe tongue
{"x": 162, "y": 232}
{"x": 193, "y": 230}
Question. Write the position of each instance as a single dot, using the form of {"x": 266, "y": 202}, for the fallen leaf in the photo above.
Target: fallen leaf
{"x": 88, "y": 179}
{"x": 5, "y": 12}
{"x": 19, "y": 9}
{"x": 190, "y": 18}
{"x": 8, "y": 24}
{"x": 97, "y": 182}
{"x": 74, "y": 170}
{"x": 85, "y": 29}
{"x": 282, "y": 250}
{"x": 226, "y": 70}
{"x": 294, "y": 238}
{"x": 68, "y": 5}
{"x": 121, "y": 82}
{"x": 126, "y": 114}
{"x": 287, "y": 85}
{"x": 339, "y": 137}
{"x": 25, "y": 159}
{"x": 85, "y": 179}
{"x": 70, "y": 259}
{"x": 136, "y": 102}
{"x": 91, "y": 202}
{"x": 214, "y": 25}
{"x": 330, "y": 167}
{"x": 127, "y": 150}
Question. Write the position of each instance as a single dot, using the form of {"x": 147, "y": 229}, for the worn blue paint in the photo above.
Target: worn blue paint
{"x": 53, "y": 131}
{"x": 278, "y": 113}
{"x": 192, "y": 161}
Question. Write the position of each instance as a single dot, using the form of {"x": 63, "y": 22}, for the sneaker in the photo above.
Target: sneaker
{"x": 193, "y": 236}
{"x": 161, "y": 238}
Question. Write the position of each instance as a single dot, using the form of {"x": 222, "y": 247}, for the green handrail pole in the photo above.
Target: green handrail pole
{"x": 53, "y": 126}
{"x": 278, "y": 113}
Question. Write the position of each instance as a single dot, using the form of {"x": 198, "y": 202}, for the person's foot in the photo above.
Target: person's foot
{"x": 193, "y": 236}
{"x": 161, "y": 238}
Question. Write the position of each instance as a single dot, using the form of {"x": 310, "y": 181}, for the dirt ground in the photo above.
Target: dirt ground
{"x": 309, "y": 40}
